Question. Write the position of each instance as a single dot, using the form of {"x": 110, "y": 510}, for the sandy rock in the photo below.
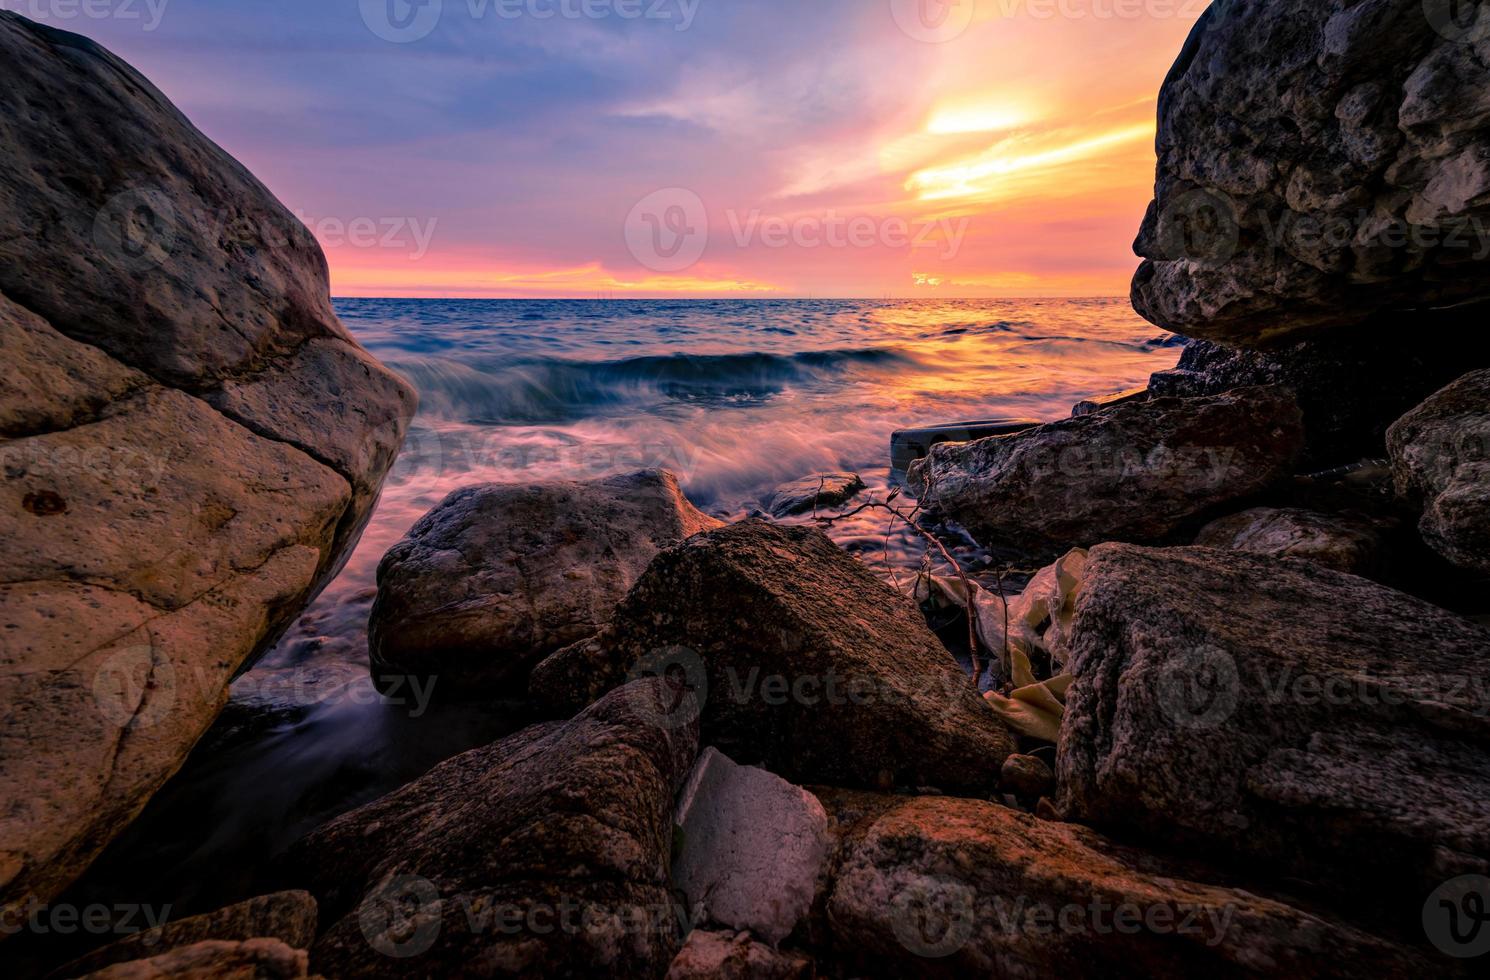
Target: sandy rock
{"x": 1441, "y": 459}
{"x": 821, "y": 492}
{"x": 213, "y": 959}
{"x": 709, "y": 955}
{"x": 543, "y": 854}
{"x": 289, "y": 917}
{"x": 1280, "y": 713}
{"x": 1138, "y": 472}
{"x": 752, "y": 847}
{"x": 945, "y": 887}
{"x": 1352, "y": 384}
{"x": 498, "y": 577}
{"x": 1344, "y": 542}
{"x": 1319, "y": 160}
{"x": 189, "y": 442}
{"x": 805, "y": 662}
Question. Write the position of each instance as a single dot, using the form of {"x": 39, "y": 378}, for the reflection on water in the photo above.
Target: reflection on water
{"x": 735, "y": 397}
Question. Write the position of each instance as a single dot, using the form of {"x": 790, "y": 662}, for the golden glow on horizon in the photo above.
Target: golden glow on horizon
{"x": 586, "y": 280}
{"x": 976, "y": 118}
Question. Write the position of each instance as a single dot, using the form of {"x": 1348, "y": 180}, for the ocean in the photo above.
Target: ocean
{"x": 735, "y": 397}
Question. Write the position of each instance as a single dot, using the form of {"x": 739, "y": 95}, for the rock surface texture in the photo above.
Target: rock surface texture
{"x": 1343, "y": 542}
{"x": 498, "y": 577}
{"x": 822, "y": 492}
{"x": 804, "y": 662}
{"x": 1441, "y": 460}
{"x": 1138, "y": 472}
{"x": 1319, "y": 160}
{"x": 190, "y": 442}
{"x": 711, "y": 955}
{"x": 1352, "y": 384}
{"x": 213, "y": 959}
{"x": 1311, "y": 721}
{"x": 944, "y": 887}
{"x": 543, "y": 854}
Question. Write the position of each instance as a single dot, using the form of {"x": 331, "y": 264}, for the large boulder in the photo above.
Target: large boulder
{"x": 1137, "y": 472}
{"x": 497, "y": 577}
{"x": 543, "y": 854}
{"x": 803, "y": 662}
{"x": 1351, "y": 384}
{"x": 1306, "y": 720}
{"x": 1346, "y": 542}
{"x": 944, "y": 887}
{"x": 1441, "y": 460}
{"x": 189, "y": 439}
{"x": 1319, "y": 160}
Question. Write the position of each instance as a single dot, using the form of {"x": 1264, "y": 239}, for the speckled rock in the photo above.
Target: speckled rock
{"x": 190, "y": 442}
{"x": 1303, "y": 719}
{"x": 806, "y": 663}
{"x": 1319, "y": 160}
{"x": 945, "y": 887}
{"x": 823, "y": 491}
{"x": 1138, "y": 472}
{"x": 1441, "y": 460}
{"x": 710, "y": 955}
{"x": 1344, "y": 542}
{"x": 543, "y": 854}
{"x": 497, "y": 577}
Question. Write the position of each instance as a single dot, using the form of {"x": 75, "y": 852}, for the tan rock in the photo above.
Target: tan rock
{"x": 214, "y": 959}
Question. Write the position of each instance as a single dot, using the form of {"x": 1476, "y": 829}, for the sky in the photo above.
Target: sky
{"x": 658, "y": 148}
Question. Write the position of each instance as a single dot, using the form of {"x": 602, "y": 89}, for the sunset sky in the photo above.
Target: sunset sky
{"x": 681, "y": 147}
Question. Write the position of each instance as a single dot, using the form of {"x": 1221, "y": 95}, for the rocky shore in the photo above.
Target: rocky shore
{"x": 1236, "y": 723}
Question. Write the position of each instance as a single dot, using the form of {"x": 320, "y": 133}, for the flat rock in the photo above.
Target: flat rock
{"x": 1281, "y": 713}
{"x": 1441, "y": 460}
{"x": 945, "y": 887}
{"x": 803, "y": 660}
{"x": 821, "y": 492}
{"x": 711, "y": 955}
{"x": 1137, "y": 472}
{"x": 1319, "y": 161}
{"x": 909, "y": 445}
{"x": 251, "y": 959}
{"x": 289, "y": 917}
{"x": 497, "y": 577}
{"x": 1344, "y": 542}
{"x": 543, "y": 854}
{"x": 1093, "y": 405}
{"x": 190, "y": 442}
{"x": 753, "y": 846}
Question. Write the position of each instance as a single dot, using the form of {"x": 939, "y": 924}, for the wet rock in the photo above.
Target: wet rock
{"x": 1292, "y": 716}
{"x": 1027, "y": 777}
{"x": 1094, "y": 405}
{"x": 804, "y": 661}
{"x": 1345, "y": 542}
{"x": 909, "y": 445}
{"x": 498, "y": 577}
{"x": 192, "y": 442}
{"x": 822, "y": 492}
{"x": 752, "y": 847}
{"x": 543, "y": 854}
{"x": 1137, "y": 472}
{"x": 289, "y": 917}
{"x": 1319, "y": 160}
{"x": 252, "y": 959}
{"x": 1351, "y": 384}
{"x": 709, "y": 955}
{"x": 1441, "y": 460}
{"x": 945, "y": 887}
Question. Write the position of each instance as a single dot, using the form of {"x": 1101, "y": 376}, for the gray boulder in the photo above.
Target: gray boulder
{"x": 1136, "y": 472}
{"x": 1441, "y": 460}
{"x": 821, "y": 492}
{"x": 1319, "y": 160}
{"x": 803, "y": 661}
{"x": 1279, "y": 712}
{"x": 498, "y": 577}
{"x": 189, "y": 439}
{"x": 1345, "y": 542}
{"x": 543, "y": 854}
